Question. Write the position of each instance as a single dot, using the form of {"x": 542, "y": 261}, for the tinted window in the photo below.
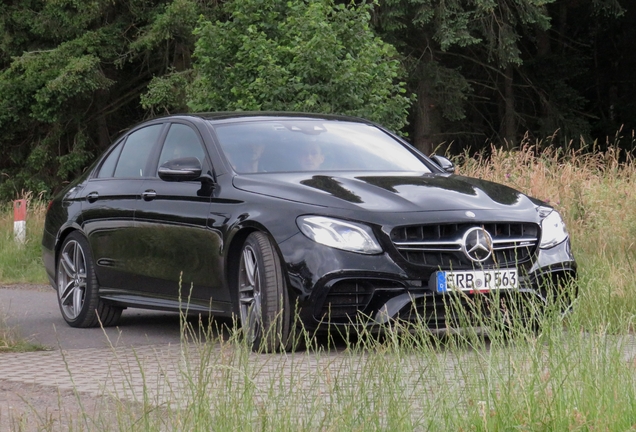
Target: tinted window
{"x": 182, "y": 141}
{"x": 313, "y": 145}
{"x": 108, "y": 167}
{"x": 138, "y": 147}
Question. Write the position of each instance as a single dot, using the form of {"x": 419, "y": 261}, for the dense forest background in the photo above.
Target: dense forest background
{"x": 453, "y": 75}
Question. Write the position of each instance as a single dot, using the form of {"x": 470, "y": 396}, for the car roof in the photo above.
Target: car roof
{"x": 236, "y": 116}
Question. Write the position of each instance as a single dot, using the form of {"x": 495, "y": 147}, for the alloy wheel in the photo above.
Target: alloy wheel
{"x": 250, "y": 294}
{"x": 71, "y": 279}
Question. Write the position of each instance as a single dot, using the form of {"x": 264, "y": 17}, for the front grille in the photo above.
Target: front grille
{"x": 350, "y": 300}
{"x": 346, "y": 298}
{"x": 440, "y": 246}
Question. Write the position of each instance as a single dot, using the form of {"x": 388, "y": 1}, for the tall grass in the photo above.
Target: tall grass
{"x": 577, "y": 373}
{"x": 11, "y": 340}
{"x": 400, "y": 381}
{"x": 596, "y": 194}
{"x": 20, "y": 263}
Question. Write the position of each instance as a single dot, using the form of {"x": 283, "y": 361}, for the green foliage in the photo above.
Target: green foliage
{"x": 71, "y": 77}
{"x": 448, "y": 87}
{"x": 40, "y": 93}
{"x": 459, "y": 53}
{"x": 299, "y": 56}
{"x": 167, "y": 93}
{"x": 74, "y": 74}
{"x": 174, "y": 23}
{"x": 533, "y": 66}
{"x": 455, "y": 23}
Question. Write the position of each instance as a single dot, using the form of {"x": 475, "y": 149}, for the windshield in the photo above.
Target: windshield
{"x": 313, "y": 145}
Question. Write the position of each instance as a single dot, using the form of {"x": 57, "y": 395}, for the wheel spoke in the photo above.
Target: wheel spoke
{"x": 244, "y": 288}
{"x": 254, "y": 320}
{"x": 250, "y": 265}
{"x": 257, "y": 283}
{"x": 67, "y": 265}
{"x": 246, "y": 300}
{"x": 257, "y": 305}
{"x": 66, "y": 295}
{"x": 77, "y": 258}
{"x": 77, "y": 301}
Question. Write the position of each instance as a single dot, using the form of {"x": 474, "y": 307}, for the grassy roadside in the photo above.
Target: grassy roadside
{"x": 22, "y": 263}
{"x": 403, "y": 381}
{"x": 12, "y": 341}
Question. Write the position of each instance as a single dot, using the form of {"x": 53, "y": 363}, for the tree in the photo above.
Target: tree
{"x": 311, "y": 56}
{"x": 71, "y": 75}
{"x": 489, "y": 70}
{"x": 460, "y": 53}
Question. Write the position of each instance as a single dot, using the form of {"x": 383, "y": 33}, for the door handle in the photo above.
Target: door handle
{"x": 149, "y": 195}
{"x": 92, "y": 197}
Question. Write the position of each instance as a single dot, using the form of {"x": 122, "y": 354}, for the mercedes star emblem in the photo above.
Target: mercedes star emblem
{"x": 477, "y": 244}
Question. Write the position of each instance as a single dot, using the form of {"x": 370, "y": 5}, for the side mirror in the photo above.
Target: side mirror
{"x": 444, "y": 163}
{"x": 182, "y": 169}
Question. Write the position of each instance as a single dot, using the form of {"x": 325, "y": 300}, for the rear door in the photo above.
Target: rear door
{"x": 108, "y": 208}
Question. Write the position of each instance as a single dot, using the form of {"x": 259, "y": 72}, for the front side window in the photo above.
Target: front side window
{"x": 137, "y": 149}
{"x": 182, "y": 141}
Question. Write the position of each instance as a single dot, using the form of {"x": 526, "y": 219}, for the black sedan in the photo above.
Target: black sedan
{"x": 288, "y": 220}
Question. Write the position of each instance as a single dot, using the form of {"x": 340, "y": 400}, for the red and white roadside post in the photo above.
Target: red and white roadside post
{"x": 19, "y": 221}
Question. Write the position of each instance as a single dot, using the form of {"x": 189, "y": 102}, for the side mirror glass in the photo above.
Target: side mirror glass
{"x": 444, "y": 163}
{"x": 182, "y": 169}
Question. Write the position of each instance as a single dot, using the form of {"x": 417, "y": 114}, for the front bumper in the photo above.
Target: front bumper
{"x": 340, "y": 288}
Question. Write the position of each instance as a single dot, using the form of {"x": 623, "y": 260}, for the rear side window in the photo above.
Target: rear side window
{"x": 182, "y": 141}
{"x": 134, "y": 156}
{"x": 108, "y": 167}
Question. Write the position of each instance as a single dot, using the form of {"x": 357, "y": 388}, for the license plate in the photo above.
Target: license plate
{"x": 476, "y": 280}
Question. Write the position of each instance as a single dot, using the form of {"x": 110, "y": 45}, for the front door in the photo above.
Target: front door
{"x": 182, "y": 259}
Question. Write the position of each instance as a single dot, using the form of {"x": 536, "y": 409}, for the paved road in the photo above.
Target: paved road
{"x": 143, "y": 358}
{"x": 117, "y": 361}
{"x": 34, "y": 311}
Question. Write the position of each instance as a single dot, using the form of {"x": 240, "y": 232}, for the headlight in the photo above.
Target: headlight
{"x": 553, "y": 230}
{"x": 339, "y": 234}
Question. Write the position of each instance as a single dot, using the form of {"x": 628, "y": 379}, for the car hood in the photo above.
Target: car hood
{"x": 396, "y": 192}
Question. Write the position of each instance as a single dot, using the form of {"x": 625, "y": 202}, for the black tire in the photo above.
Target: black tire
{"x": 77, "y": 288}
{"x": 262, "y": 294}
